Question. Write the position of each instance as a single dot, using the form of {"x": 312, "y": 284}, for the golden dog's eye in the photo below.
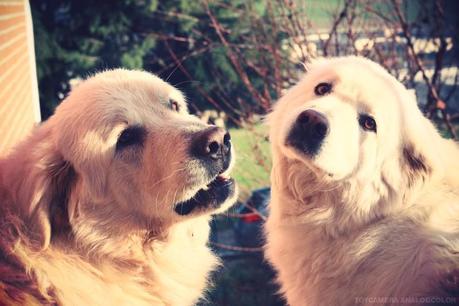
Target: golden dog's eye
{"x": 367, "y": 123}
{"x": 133, "y": 135}
{"x": 174, "y": 105}
{"x": 323, "y": 88}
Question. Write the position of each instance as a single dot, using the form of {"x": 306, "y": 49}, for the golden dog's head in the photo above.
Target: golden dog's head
{"x": 351, "y": 128}
{"x": 123, "y": 149}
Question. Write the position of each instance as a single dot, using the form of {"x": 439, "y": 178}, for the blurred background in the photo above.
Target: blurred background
{"x": 233, "y": 59}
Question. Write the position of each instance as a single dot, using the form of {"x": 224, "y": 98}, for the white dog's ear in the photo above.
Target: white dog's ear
{"x": 50, "y": 184}
{"x": 421, "y": 143}
{"x": 415, "y": 165}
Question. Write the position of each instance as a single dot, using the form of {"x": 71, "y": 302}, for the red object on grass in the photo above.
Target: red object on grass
{"x": 251, "y": 217}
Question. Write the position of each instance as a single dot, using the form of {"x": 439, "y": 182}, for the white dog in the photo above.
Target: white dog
{"x": 365, "y": 192}
{"x": 108, "y": 202}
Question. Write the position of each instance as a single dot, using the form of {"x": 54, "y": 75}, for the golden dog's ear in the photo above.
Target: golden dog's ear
{"x": 89, "y": 153}
{"x": 94, "y": 180}
{"x": 50, "y": 185}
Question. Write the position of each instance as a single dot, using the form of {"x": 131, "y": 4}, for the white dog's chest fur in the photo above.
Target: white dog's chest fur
{"x": 393, "y": 259}
{"x": 175, "y": 273}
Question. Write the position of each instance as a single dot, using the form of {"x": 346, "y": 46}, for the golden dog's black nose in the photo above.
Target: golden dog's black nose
{"x": 213, "y": 143}
{"x": 308, "y": 131}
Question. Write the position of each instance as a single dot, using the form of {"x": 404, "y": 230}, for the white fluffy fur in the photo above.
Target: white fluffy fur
{"x": 374, "y": 217}
{"x": 97, "y": 227}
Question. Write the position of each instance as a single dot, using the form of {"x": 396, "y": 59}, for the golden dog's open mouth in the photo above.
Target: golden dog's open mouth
{"x": 210, "y": 197}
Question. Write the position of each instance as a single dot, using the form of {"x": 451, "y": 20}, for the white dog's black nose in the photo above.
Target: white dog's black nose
{"x": 314, "y": 123}
{"x": 308, "y": 132}
{"x": 214, "y": 146}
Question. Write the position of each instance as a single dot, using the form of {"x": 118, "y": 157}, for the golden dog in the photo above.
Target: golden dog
{"x": 108, "y": 201}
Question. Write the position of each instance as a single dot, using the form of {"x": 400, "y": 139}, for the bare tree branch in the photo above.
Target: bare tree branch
{"x": 336, "y": 23}
{"x": 266, "y": 103}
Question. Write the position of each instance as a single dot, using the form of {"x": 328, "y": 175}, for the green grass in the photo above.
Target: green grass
{"x": 253, "y": 159}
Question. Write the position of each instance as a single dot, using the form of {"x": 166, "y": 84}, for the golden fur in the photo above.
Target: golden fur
{"x": 85, "y": 224}
{"x": 373, "y": 217}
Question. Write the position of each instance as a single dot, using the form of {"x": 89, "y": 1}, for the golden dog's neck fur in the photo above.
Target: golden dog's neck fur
{"x": 90, "y": 262}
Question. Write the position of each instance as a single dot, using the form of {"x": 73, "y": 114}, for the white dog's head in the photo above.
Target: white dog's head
{"x": 349, "y": 126}
{"x": 122, "y": 152}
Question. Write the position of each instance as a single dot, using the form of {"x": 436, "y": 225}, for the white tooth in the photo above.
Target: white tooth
{"x": 205, "y": 187}
{"x": 225, "y": 175}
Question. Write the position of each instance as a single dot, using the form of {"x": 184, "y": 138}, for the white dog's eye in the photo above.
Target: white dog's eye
{"x": 174, "y": 105}
{"x": 130, "y": 136}
{"x": 323, "y": 88}
{"x": 367, "y": 123}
